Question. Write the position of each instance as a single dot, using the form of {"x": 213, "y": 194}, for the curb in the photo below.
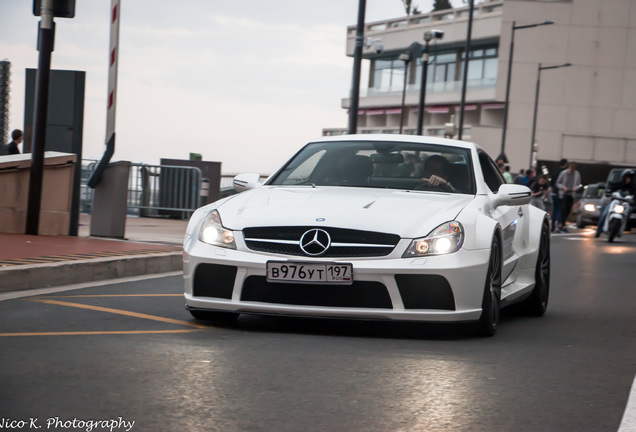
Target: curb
{"x": 25, "y": 277}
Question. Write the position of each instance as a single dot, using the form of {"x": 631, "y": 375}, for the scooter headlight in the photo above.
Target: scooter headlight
{"x": 620, "y": 208}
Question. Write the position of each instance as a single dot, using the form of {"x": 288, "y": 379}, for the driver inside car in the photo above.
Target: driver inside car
{"x": 437, "y": 171}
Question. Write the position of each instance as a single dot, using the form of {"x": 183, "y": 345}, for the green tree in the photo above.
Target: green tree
{"x": 410, "y": 8}
{"x": 439, "y": 5}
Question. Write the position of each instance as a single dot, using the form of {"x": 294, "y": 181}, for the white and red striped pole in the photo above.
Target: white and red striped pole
{"x": 111, "y": 101}
{"x": 112, "y": 69}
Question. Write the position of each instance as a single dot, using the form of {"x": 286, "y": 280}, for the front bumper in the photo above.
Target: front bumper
{"x": 446, "y": 288}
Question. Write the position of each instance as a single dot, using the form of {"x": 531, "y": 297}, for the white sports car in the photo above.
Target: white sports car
{"x": 388, "y": 227}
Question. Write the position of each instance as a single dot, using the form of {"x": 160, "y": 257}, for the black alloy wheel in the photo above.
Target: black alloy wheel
{"x": 579, "y": 222}
{"x": 537, "y": 303}
{"x": 487, "y": 324}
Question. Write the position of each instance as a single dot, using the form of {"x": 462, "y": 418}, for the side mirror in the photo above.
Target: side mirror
{"x": 512, "y": 194}
{"x": 243, "y": 182}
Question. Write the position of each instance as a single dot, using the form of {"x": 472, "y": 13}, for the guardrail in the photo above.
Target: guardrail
{"x": 154, "y": 190}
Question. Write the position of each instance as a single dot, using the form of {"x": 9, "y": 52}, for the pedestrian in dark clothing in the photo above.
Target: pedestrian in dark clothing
{"x": 556, "y": 200}
{"x": 540, "y": 190}
{"x": 12, "y": 147}
{"x": 567, "y": 183}
{"x": 521, "y": 178}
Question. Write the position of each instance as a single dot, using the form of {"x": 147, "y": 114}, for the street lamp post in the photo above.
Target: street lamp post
{"x": 507, "y": 102}
{"x": 357, "y": 67}
{"x": 466, "y": 63}
{"x": 46, "y": 40}
{"x": 428, "y": 36}
{"x": 406, "y": 58}
{"x": 414, "y": 51}
{"x": 536, "y": 106}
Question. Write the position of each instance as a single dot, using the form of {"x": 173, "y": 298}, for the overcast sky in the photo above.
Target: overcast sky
{"x": 245, "y": 83}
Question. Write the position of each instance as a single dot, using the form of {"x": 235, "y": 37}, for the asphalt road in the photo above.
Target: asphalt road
{"x": 129, "y": 352}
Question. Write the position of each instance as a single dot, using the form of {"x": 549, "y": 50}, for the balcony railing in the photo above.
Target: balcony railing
{"x": 438, "y": 87}
{"x": 432, "y": 17}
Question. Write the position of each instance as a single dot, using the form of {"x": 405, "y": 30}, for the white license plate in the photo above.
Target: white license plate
{"x": 313, "y": 273}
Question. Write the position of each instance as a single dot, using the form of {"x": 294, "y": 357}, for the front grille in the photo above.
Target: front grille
{"x": 361, "y": 294}
{"x": 344, "y": 242}
{"x": 425, "y": 292}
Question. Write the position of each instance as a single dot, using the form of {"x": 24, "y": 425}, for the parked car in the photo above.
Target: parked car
{"x": 590, "y": 205}
{"x": 344, "y": 230}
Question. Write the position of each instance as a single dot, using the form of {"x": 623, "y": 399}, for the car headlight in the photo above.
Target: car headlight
{"x": 619, "y": 208}
{"x": 589, "y": 207}
{"x": 445, "y": 239}
{"x": 212, "y": 232}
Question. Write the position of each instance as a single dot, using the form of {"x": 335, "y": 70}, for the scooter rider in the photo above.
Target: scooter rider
{"x": 627, "y": 185}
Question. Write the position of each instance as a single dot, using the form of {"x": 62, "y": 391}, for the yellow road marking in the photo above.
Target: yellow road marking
{"x": 81, "y": 333}
{"x": 120, "y": 312}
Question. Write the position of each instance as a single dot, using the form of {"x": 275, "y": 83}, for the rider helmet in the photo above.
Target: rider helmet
{"x": 628, "y": 173}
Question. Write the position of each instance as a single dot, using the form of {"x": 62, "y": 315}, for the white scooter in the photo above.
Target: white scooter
{"x": 617, "y": 215}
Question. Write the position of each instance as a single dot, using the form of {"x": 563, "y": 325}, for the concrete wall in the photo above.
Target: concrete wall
{"x": 586, "y": 112}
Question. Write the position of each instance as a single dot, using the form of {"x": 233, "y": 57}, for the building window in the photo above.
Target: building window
{"x": 388, "y": 75}
{"x": 482, "y": 64}
{"x": 445, "y": 70}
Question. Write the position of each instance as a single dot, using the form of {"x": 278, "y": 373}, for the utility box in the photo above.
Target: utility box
{"x": 57, "y": 189}
{"x": 110, "y": 202}
{"x": 65, "y": 123}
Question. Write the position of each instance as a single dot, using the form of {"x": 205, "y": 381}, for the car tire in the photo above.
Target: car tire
{"x": 487, "y": 324}
{"x": 204, "y": 315}
{"x": 613, "y": 229}
{"x": 537, "y": 303}
{"x": 579, "y": 222}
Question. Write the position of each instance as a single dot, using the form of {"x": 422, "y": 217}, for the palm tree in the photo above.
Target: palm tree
{"x": 441, "y": 5}
{"x": 409, "y": 8}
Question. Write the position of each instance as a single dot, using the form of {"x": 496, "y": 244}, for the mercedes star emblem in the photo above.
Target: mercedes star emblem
{"x": 315, "y": 242}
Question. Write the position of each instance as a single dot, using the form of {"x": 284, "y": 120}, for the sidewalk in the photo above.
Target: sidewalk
{"x": 152, "y": 245}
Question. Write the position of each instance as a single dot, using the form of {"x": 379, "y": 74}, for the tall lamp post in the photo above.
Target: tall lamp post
{"x": 536, "y": 105}
{"x": 428, "y": 37}
{"x": 414, "y": 51}
{"x": 357, "y": 67}
{"x": 471, "y": 11}
{"x": 507, "y": 102}
{"x": 406, "y": 58}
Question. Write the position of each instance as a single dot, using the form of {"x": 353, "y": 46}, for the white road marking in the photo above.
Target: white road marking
{"x": 628, "y": 424}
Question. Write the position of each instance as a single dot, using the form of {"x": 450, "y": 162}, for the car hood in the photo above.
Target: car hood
{"x": 406, "y": 213}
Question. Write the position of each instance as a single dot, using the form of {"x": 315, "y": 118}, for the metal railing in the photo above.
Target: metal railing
{"x": 155, "y": 190}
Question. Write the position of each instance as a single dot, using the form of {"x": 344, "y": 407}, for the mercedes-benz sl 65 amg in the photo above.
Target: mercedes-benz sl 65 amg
{"x": 388, "y": 227}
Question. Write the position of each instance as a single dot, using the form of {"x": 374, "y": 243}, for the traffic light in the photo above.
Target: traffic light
{"x": 61, "y": 8}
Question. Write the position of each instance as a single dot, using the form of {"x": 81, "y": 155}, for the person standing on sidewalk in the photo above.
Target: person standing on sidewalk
{"x": 555, "y": 214}
{"x": 16, "y": 137}
{"x": 567, "y": 183}
{"x": 540, "y": 190}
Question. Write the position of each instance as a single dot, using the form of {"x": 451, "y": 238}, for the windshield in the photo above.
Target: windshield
{"x": 380, "y": 164}
{"x": 594, "y": 192}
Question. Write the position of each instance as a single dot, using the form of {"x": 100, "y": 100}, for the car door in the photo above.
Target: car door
{"x": 512, "y": 219}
